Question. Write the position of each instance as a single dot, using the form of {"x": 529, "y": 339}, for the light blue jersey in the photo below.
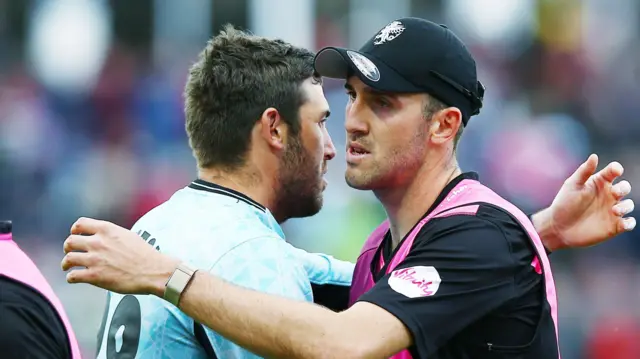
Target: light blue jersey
{"x": 216, "y": 229}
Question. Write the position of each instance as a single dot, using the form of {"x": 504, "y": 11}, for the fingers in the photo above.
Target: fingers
{"x": 626, "y": 224}
{"x": 623, "y": 208}
{"x": 621, "y": 190}
{"x": 586, "y": 169}
{"x": 611, "y": 172}
{"x": 75, "y": 243}
{"x": 88, "y": 226}
{"x": 85, "y": 275}
{"x": 76, "y": 259}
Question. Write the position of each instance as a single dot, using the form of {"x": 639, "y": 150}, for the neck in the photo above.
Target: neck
{"x": 247, "y": 182}
{"x": 406, "y": 205}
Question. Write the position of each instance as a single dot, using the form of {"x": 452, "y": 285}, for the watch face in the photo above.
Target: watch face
{"x": 177, "y": 283}
{"x": 5, "y": 227}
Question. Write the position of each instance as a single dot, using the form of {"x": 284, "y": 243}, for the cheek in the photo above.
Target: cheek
{"x": 403, "y": 145}
{"x": 314, "y": 142}
{"x": 320, "y": 142}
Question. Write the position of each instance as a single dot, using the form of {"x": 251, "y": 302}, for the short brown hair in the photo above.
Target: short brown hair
{"x": 237, "y": 76}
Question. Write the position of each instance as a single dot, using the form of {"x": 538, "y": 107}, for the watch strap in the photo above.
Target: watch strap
{"x": 177, "y": 283}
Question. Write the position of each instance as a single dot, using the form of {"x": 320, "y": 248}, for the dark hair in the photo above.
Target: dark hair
{"x": 239, "y": 75}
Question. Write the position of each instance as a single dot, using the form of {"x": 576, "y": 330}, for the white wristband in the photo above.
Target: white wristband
{"x": 177, "y": 283}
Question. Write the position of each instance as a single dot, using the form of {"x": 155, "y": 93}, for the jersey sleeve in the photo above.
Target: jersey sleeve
{"x": 264, "y": 264}
{"x": 330, "y": 278}
{"x": 324, "y": 269}
{"x": 459, "y": 269}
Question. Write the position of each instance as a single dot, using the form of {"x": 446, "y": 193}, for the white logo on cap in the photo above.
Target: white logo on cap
{"x": 388, "y": 33}
{"x": 368, "y": 68}
{"x": 415, "y": 282}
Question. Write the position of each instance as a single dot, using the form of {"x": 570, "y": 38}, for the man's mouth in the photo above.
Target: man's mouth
{"x": 356, "y": 148}
{"x": 355, "y": 152}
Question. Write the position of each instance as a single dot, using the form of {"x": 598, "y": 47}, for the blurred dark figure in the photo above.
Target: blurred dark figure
{"x": 34, "y": 323}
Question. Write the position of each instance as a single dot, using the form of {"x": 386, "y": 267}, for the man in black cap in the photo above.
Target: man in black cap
{"x": 455, "y": 271}
{"x": 411, "y": 56}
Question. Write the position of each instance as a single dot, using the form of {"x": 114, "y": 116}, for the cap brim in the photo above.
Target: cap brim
{"x": 340, "y": 63}
{"x": 333, "y": 62}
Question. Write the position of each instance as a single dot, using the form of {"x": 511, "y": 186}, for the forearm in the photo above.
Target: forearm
{"x": 543, "y": 223}
{"x": 268, "y": 325}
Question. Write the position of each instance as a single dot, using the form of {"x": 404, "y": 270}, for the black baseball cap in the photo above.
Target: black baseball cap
{"x": 411, "y": 55}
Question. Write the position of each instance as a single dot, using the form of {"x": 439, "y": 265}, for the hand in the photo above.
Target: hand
{"x": 115, "y": 259}
{"x": 589, "y": 209}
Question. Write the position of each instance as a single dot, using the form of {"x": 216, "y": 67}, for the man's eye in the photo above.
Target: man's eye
{"x": 383, "y": 103}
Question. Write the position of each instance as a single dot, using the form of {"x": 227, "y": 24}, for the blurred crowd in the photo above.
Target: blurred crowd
{"x": 91, "y": 124}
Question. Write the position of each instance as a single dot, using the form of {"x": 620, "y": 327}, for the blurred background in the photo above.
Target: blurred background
{"x": 91, "y": 124}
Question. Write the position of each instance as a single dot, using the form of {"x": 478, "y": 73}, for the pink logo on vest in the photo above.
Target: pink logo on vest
{"x": 415, "y": 282}
{"x": 455, "y": 192}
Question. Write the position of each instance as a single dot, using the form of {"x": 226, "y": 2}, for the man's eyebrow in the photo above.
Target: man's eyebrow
{"x": 372, "y": 91}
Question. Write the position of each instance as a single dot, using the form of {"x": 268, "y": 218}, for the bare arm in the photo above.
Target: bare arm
{"x": 286, "y": 328}
{"x": 117, "y": 259}
{"x": 544, "y": 226}
{"x": 273, "y": 326}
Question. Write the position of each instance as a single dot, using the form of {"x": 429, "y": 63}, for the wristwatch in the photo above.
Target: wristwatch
{"x": 177, "y": 283}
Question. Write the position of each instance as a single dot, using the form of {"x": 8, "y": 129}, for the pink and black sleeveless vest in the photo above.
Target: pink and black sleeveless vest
{"x": 462, "y": 200}
{"x": 15, "y": 264}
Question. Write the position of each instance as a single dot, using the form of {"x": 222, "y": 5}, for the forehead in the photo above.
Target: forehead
{"x": 355, "y": 84}
{"x": 314, "y": 95}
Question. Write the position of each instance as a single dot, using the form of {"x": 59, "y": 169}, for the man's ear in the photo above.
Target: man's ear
{"x": 445, "y": 124}
{"x": 272, "y": 128}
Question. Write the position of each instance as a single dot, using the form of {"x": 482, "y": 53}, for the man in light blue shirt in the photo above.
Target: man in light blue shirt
{"x": 255, "y": 119}
{"x": 232, "y": 236}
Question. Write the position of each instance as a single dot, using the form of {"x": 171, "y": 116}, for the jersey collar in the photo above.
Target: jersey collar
{"x": 202, "y": 185}
{"x": 449, "y": 187}
{"x": 385, "y": 250}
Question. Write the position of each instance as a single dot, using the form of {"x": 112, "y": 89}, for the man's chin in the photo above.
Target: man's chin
{"x": 358, "y": 183}
{"x": 316, "y": 205}
{"x": 308, "y": 207}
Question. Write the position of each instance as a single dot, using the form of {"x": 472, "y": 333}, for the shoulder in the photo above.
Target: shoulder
{"x": 196, "y": 215}
{"x": 203, "y": 235}
{"x": 489, "y": 235}
{"x": 28, "y": 317}
{"x": 483, "y": 217}
{"x": 17, "y": 295}
{"x": 485, "y": 222}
